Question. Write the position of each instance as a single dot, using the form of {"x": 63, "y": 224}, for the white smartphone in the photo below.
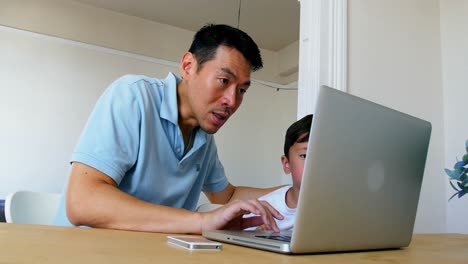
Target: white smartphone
{"x": 194, "y": 243}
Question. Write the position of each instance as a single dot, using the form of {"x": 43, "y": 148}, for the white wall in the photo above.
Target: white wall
{"x": 454, "y": 31}
{"x": 75, "y": 21}
{"x": 48, "y": 89}
{"x": 395, "y": 60}
{"x": 49, "y": 86}
{"x": 251, "y": 144}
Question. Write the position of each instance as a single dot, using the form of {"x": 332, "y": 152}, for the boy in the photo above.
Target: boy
{"x": 295, "y": 150}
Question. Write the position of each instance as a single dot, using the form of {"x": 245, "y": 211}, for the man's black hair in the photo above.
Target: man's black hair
{"x": 298, "y": 132}
{"x": 207, "y": 40}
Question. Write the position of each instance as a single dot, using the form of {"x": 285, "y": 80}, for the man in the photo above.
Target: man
{"x": 148, "y": 151}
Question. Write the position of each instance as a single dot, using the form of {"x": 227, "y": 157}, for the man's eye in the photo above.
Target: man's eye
{"x": 242, "y": 91}
{"x": 223, "y": 81}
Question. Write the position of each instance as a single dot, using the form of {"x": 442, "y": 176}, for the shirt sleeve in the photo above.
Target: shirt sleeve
{"x": 109, "y": 142}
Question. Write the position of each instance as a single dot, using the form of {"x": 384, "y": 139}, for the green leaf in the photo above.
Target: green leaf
{"x": 455, "y": 194}
{"x": 461, "y": 193}
{"x": 459, "y": 165}
{"x": 463, "y": 176}
{"x": 455, "y": 174}
{"x": 453, "y": 186}
{"x": 450, "y": 173}
{"x": 465, "y": 157}
{"x": 465, "y": 182}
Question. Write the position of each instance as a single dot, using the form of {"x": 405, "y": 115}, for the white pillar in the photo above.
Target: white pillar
{"x": 322, "y": 50}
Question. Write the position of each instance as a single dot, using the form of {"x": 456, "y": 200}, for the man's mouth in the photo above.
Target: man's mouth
{"x": 221, "y": 117}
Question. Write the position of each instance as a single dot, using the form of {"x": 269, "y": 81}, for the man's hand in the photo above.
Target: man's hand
{"x": 230, "y": 216}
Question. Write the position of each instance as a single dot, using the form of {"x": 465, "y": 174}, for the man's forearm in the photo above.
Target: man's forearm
{"x": 243, "y": 192}
{"x": 128, "y": 213}
{"x": 94, "y": 200}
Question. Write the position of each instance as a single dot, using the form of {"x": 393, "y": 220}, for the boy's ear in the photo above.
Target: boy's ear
{"x": 285, "y": 162}
{"x": 188, "y": 65}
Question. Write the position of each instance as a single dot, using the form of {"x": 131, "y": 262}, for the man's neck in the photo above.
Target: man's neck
{"x": 186, "y": 134}
{"x": 186, "y": 126}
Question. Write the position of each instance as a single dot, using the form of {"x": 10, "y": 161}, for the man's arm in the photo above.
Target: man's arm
{"x": 93, "y": 199}
{"x": 231, "y": 193}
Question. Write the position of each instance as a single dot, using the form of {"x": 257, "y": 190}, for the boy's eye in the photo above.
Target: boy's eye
{"x": 303, "y": 156}
{"x": 242, "y": 91}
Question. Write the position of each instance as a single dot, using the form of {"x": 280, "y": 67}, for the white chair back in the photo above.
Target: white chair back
{"x": 27, "y": 207}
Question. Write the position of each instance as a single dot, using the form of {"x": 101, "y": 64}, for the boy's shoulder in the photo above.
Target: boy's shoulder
{"x": 279, "y": 193}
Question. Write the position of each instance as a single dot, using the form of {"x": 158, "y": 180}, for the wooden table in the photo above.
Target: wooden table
{"x": 48, "y": 244}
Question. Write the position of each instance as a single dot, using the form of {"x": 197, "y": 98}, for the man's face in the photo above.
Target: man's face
{"x": 216, "y": 90}
{"x": 294, "y": 165}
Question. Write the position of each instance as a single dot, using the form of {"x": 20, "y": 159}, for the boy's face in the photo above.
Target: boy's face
{"x": 294, "y": 165}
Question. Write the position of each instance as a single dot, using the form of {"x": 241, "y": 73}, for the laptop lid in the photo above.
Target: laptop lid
{"x": 361, "y": 182}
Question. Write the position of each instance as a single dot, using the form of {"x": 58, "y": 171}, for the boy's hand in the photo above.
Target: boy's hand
{"x": 230, "y": 216}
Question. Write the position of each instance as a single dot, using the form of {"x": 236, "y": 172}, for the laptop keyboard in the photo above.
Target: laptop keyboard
{"x": 279, "y": 238}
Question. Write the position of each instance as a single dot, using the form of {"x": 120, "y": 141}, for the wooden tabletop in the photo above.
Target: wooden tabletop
{"x": 48, "y": 244}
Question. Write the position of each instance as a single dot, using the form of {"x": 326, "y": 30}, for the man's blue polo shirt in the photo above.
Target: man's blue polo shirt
{"x": 133, "y": 136}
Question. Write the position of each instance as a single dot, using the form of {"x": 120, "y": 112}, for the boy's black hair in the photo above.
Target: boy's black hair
{"x": 298, "y": 132}
{"x": 207, "y": 40}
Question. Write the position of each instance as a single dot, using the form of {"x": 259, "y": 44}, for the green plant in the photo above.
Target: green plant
{"x": 459, "y": 175}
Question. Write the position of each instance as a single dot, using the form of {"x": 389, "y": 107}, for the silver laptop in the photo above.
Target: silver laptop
{"x": 361, "y": 181}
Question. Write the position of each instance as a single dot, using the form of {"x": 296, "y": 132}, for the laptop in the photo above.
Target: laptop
{"x": 361, "y": 181}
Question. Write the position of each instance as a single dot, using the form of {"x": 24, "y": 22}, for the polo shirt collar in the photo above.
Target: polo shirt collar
{"x": 170, "y": 112}
{"x": 169, "y": 109}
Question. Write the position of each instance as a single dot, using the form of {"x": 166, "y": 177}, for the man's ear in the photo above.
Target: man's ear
{"x": 188, "y": 65}
{"x": 285, "y": 162}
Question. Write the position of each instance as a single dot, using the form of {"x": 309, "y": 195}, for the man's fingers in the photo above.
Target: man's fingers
{"x": 276, "y": 214}
{"x": 231, "y": 215}
{"x": 268, "y": 213}
{"x": 252, "y": 222}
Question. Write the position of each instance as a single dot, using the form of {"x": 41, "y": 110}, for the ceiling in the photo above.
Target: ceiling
{"x": 273, "y": 24}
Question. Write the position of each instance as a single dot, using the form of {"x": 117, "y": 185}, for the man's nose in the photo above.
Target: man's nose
{"x": 230, "y": 97}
